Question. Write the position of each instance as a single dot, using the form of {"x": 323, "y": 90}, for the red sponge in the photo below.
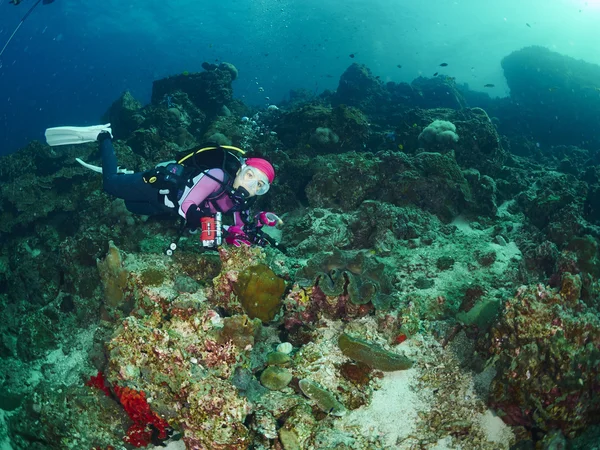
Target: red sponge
{"x": 136, "y": 405}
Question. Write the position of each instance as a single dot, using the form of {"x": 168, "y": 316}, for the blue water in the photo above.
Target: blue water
{"x": 71, "y": 59}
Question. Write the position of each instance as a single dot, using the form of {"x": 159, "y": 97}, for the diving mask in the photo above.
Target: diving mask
{"x": 253, "y": 180}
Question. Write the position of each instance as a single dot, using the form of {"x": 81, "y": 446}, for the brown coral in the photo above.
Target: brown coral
{"x": 260, "y": 291}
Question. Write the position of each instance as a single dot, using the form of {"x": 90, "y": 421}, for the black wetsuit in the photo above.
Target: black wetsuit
{"x": 140, "y": 197}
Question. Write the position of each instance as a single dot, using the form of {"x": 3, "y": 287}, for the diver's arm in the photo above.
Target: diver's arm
{"x": 191, "y": 206}
{"x": 200, "y": 192}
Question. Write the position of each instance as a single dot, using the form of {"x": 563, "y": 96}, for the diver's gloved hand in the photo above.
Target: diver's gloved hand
{"x": 194, "y": 216}
{"x": 267, "y": 218}
{"x": 236, "y": 236}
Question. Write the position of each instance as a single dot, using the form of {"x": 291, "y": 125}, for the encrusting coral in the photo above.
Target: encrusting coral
{"x": 547, "y": 344}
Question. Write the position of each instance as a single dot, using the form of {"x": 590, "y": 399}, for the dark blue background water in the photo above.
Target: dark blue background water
{"x": 71, "y": 59}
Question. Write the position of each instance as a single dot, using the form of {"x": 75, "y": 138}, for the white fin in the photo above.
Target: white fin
{"x": 75, "y": 135}
{"x": 99, "y": 169}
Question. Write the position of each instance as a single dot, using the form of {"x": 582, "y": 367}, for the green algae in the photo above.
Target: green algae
{"x": 324, "y": 399}
{"x": 372, "y": 354}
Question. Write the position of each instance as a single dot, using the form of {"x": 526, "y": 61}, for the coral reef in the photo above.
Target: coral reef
{"x": 323, "y": 399}
{"x": 260, "y": 292}
{"x": 124, "y": 116}
{"x": 144, "y": 419}
{"x": 372, "y": 355}
{"x": 547, "y": 345}
{"x": 561, "y": 73}
{"x": 211, "y": 88}
{"x": 114, "y": 277}
{"x": 439, "y": 132}
{"x": 422, "y": 280}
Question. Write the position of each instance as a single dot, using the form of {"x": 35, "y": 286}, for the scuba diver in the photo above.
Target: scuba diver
{"x": 16, "y": 2}
{"x": 200, "y": 186}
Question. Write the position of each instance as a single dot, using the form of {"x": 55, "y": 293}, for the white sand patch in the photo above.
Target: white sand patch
{"x": 393, "y": 412}
{"x": 444, "y": 444}
{"x": 504, "y": 255}
{"x": 495, "y": 429}
{"x": 463, "y": 224}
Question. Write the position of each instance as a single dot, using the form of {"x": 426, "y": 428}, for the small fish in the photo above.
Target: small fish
{"x": 528, "y": 25}
{"x": 377, "y": 77}
{"x": 352, "y": 55}
{"x": 399, "y": 66}
{"x": 489, "y": 85}
{"x": 443, "y": 64}
{"x": 552, "y": 89}
{"x": 435, "y": 74}
{"x": 400, "y": 147}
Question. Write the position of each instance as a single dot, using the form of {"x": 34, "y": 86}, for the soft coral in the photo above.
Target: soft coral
{"x": 99, "y": 382}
